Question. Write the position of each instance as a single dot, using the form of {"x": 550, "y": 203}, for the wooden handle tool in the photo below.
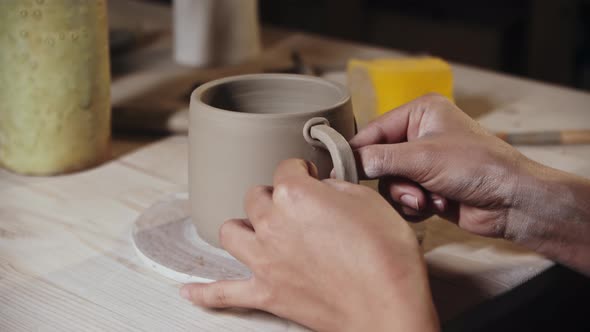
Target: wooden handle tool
{"x": 549, "y": 137}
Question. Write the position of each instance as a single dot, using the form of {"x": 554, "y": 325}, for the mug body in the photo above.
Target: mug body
{"x": 242, "y": 127}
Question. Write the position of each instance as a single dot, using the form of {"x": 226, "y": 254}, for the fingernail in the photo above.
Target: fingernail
{"x": 185, "y": 293}
{"x": 438, "y": 203}
{"x": 357, "y": 139}
{"x": 353, "y": 140}
{"x": 411, "y": 201}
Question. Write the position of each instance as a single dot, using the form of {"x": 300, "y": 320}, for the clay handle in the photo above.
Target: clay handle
{"x": 317, "y": 132}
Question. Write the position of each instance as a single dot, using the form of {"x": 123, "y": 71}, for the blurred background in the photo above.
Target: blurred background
{"x": 547, "y": 40}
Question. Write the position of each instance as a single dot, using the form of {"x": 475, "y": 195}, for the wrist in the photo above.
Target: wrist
{"x": 551, "y": 214}
{"x": 406, "y": 306}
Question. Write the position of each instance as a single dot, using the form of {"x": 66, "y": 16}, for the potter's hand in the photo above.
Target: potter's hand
{"x": 431, "y": 158}
{"x": 327, "y": 254}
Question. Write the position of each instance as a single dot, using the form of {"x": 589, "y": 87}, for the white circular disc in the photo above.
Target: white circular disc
{"x": 166, "y": 240}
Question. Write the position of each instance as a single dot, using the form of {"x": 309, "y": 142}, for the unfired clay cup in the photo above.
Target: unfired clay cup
{"x": 242, "y": 127}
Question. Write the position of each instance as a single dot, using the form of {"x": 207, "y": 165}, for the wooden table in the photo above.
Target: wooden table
{"x": 66, "y": 260}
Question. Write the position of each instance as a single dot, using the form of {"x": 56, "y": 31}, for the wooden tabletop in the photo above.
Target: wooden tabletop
{"x": 66, "y": 259}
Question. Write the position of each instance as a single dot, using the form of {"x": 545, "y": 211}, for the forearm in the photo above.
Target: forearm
{"x": 552, "y": 216}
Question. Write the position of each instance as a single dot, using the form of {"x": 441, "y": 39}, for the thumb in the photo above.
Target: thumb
{"x": 411, "y": 160}
{"x": 221, "y": 294}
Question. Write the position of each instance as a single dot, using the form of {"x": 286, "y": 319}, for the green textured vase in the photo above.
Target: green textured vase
{"x": 54, "y": 85}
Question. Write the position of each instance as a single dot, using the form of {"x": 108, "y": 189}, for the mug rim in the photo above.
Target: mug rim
{"x": 196, "y": 96}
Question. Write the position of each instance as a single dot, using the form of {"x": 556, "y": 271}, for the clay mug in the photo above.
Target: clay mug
{"x": 242, "y": 127}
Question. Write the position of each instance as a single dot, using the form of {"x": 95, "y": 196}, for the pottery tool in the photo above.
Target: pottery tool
{"x": 380, "y": 85}
{"x": 548, "y": 137}
{"x": 166, "y": 240}
{"x": 123, "y": 41}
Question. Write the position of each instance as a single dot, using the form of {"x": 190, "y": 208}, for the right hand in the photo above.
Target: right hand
{"x": 431, "y": 158}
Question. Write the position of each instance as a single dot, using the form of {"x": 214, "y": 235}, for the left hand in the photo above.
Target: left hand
{"x": 330, "y": 255}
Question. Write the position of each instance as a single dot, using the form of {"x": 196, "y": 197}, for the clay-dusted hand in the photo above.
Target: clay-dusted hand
{"x": 329, "y": 255}
{"x": 431, "y": 158}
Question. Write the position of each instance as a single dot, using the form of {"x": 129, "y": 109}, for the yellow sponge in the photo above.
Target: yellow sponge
{"x": 379, "y": 85}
